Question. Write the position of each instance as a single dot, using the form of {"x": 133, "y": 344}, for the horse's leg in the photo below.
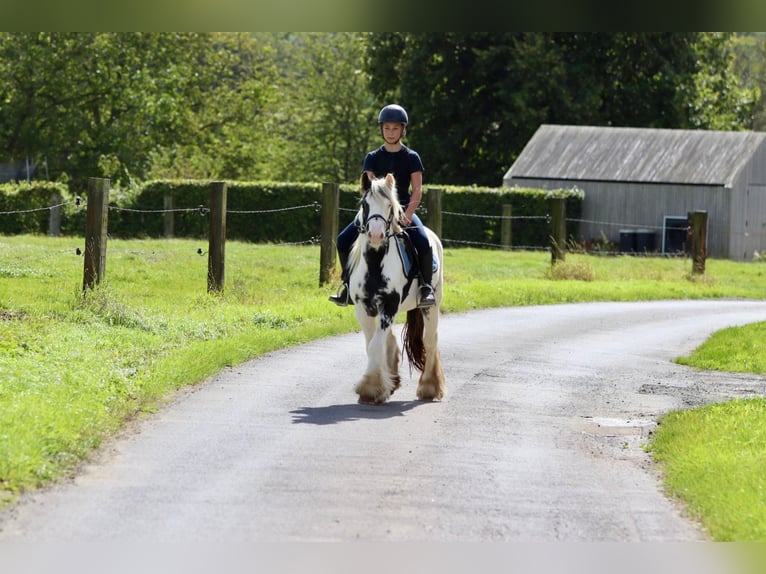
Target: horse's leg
{"x": 367, "y": 324}
{"x": 394, "y": 357}
{"x": 377, "y": 383}
{"x": 431, "y": 385}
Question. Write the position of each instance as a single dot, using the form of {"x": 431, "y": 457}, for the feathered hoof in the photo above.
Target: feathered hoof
{"x": 363, "y": 400}
{"x": 372, "y": 391}
{"x": 430, "y": 392}
{"x": 432, "y": 388}
{"x": 373, "y": 399}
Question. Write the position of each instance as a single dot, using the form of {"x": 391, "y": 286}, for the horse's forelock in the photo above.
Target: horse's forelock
{"x": 387, "y": 188}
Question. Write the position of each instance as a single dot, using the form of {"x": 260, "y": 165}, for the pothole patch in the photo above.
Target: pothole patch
{"x": 609, "y": 426}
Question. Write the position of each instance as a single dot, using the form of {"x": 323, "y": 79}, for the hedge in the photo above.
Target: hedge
{"x": 524, "y": 202}
{"x": 280, "y": 212}
{"x": 25, "y": 206}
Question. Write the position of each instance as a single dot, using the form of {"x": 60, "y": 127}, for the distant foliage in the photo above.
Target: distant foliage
{"x": 279, "y": 212}
{"x": 475, "y": 98}
{"x": 524, "y": 202}
{"x": 24, "y": 207}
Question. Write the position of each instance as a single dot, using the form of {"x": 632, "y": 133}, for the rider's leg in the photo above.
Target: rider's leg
{"x": 419, "y": 238}
{"x": 345, "y": 240}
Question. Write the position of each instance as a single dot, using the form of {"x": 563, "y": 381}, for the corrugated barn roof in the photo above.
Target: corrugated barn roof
{"x": 635, "y": 155}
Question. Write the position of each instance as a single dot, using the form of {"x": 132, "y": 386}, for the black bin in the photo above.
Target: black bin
{"x": 627, "y": 240}
{"x": 645, "y": 241}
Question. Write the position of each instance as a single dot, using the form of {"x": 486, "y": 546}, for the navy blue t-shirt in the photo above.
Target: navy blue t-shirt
{"x": 402, "y": 164}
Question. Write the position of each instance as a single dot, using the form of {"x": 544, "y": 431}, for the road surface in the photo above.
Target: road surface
{"x": 539, "y": 438}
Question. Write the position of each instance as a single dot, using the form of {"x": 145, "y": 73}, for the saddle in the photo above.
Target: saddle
{"x": 409, "y": 256}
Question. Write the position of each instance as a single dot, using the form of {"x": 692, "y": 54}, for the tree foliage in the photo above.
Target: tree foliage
{"x": 112, "y": 104}
{"x": 324, "y": 117}
{"x": 477, "y": 97}
{"x": 302, "y": 106}
{"x": 750, "y": 67}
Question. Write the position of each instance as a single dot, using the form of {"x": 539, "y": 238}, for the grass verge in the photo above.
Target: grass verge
{"x": 74, "y": 368}
{"x": 714, "y": 457}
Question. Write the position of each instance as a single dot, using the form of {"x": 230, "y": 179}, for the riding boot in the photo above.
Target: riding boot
{"x": 341, "y": 298}
{"x": 427, "y": 296}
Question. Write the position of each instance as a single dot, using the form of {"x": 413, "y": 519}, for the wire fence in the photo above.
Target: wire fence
{"x": 316, "y": 207}
{"x": 604, "y": 247}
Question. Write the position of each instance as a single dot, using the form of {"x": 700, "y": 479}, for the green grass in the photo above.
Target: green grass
{"x": 736, "y": 349}
{"x": 74, "y": 368}
{"x": 714, "y": 458}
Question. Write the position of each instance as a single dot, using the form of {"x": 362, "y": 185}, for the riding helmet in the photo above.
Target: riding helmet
{"x": 393, "y": 113}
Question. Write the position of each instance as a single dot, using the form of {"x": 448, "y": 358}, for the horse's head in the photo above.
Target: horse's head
{"x": 380, "y": 209}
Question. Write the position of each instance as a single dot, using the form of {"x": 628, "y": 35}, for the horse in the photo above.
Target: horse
{"x": 380, "y": 288}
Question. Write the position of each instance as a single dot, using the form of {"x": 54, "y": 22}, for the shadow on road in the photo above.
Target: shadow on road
{"x": 333, "y": 414}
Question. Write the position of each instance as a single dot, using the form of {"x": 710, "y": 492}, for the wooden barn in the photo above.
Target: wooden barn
{"x": 640, "y": 184}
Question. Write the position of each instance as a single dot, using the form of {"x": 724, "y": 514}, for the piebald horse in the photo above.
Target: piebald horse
{"x": 380, "y": 288}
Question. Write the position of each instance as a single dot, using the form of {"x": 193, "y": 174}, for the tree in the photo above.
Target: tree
{"x": 717, "y": 100}
{"x": 750, "y": 67}
{"x": 476, "y": 98}
{"x": 325, "y": 117}
{"x": 120, "y": 105}
{"x": 228, "y": 91}
{"x": 302, "y": 106}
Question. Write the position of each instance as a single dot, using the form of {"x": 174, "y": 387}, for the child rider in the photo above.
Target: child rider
{"x": 394, "y": 157}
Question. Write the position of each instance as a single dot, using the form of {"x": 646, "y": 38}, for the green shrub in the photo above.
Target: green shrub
{"x": 530, "y": 206}
{"x": 24, "y": 207}
{"x": 279, "y": 212}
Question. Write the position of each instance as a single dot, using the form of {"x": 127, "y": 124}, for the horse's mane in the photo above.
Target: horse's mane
{"x": 385, "y": 187}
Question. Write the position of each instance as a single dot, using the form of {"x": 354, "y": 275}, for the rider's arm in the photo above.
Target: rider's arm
{"x": 416, "y": 180}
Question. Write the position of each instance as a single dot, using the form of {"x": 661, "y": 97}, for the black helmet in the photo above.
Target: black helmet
{"x": 393, "y": 113}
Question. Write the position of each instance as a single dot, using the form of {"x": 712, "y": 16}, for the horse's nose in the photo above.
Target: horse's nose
{"x": 375, "y": 237}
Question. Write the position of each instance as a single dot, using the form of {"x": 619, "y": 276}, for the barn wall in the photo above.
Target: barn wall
{"x": 748, "y": 210}
{"x": 612, "y": 206}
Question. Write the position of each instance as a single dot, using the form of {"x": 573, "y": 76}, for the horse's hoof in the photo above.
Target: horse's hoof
{"x": 375, "y": 398}
{"x": 372, "y": 400}
{"x": 430, "y": 393}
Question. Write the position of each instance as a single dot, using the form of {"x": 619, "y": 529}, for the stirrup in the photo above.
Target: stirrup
{"x": 427, "y": 300}
{"x": 341, "y": 298}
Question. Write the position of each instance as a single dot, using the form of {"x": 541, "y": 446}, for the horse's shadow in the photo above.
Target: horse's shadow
{"x": 333, "y": 414}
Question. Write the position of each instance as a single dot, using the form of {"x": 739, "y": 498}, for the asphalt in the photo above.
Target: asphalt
{"x": 540, "y": 438}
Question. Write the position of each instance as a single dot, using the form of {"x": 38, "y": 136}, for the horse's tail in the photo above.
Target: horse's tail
{"x": 412, "y": 339}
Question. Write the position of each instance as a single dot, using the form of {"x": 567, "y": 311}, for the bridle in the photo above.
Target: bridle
{"x": 363, "y": 226}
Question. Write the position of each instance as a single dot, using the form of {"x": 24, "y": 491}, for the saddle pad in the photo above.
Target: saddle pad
{"x": 404, "y": 255}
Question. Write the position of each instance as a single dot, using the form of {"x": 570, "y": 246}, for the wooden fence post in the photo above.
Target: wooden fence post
{"x": 558, "y": 229}
{"x": 328, "y": 230}
{"x": 216, "y": 261}
{"x": 95, "y": 232}
{"x": 167, "y": 216}
{"x": 434, "y": 211}
{"x": 54, "y": 219}
{"x": 698, "y": 226}
{"x": 505, "y": 227}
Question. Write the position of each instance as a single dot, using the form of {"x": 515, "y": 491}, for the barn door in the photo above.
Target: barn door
{"x": 755, "y": 222}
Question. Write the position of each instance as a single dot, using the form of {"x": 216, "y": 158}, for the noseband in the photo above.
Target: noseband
{"x": 365, "y": 225}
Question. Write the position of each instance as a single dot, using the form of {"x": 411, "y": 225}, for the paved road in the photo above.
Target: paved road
{"x": 538, "y": 439}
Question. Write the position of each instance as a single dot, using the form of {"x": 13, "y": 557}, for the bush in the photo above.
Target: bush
{"x": 281, "y": 212}
{"x": 256, "y": 211}
{"x": 524, "y": 202}
{"x": 25, "y": 206}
